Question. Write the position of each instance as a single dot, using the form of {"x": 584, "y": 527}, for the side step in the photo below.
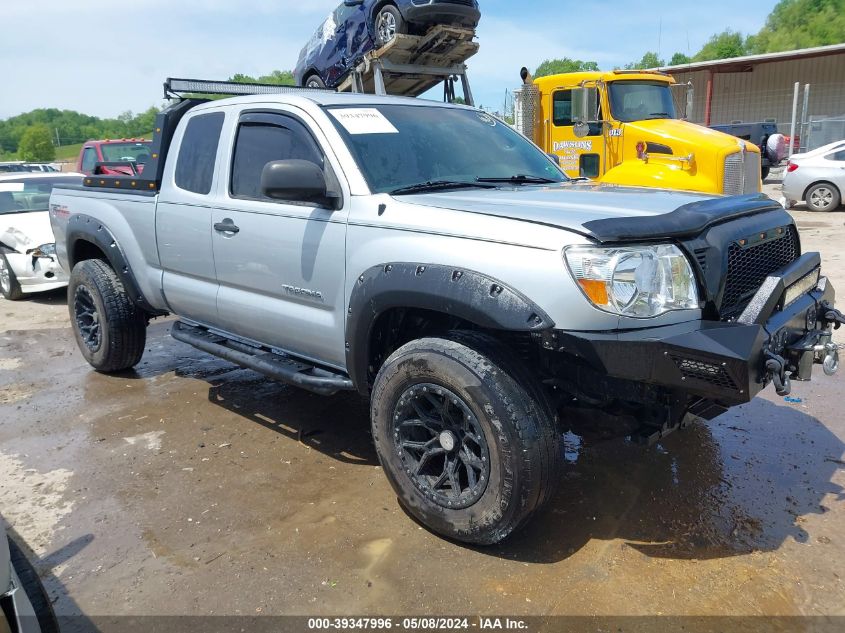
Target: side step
{"x": 275, "y": 366}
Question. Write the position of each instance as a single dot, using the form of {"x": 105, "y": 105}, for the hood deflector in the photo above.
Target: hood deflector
{"x": 688, "y": 220}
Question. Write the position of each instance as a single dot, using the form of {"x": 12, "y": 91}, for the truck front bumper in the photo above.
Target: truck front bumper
{"x": 783, "y": 332}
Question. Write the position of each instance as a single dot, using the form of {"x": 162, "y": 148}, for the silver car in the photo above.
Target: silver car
{"x": 817, "y": 178}
{"x": 25, "y": 606}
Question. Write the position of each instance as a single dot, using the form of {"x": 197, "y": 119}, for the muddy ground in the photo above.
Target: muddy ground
{"x": 193, "y": 487}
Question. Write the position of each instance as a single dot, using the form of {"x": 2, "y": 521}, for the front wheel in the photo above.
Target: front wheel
{"x": 315, "y": 82}
{"x": 823, "y": 197}
{"x": 110, "y": 329}
{"x": 468, "y": 444}
{"x": 10, "y": 287}
{"x": 389, "y": 24}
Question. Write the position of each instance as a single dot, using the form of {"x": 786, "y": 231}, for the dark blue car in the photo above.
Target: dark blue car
{"x": 359, "y": 26}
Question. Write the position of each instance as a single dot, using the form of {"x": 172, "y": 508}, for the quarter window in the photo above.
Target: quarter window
{"x": 262, "y": 139}
{"x": 837, "y": 156}
{"x": 198, "y": 153}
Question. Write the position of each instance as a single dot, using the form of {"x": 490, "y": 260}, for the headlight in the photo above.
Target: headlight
{"x": 635, "y": 281}
{"x": 45, "y": 250}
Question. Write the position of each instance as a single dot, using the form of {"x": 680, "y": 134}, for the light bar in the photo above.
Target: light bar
{"x": 201, "y": 86}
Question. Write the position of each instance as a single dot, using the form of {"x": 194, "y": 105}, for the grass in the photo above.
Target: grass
{"x": 68, "y": 152}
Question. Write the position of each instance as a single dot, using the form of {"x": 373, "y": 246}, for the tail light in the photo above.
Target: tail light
{"x": 790, "y": 167}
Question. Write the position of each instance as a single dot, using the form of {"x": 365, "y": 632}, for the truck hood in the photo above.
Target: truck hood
{"x": 601, "y": 211}
{"x": 24, "y": 231}
{"x": 684, "y": 137}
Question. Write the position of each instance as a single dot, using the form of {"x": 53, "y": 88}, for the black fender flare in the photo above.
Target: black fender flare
{"x": 467, "y": 294}
{"x": 84, "y": 228}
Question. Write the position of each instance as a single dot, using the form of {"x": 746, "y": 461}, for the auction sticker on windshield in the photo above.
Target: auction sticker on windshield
{"x": 364, "y": 121}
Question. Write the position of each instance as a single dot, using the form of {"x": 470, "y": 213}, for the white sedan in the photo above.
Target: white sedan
{"x": 816, "y": 177}
{"x": 28, "y": 260}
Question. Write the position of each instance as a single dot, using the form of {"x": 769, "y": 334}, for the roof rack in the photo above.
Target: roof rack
{"x": 175, "y": 88}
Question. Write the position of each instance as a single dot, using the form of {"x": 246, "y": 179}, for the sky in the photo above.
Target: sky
{"x": 106, "y": 58}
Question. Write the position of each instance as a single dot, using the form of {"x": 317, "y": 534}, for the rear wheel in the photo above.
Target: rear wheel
{"x": 389, "y": 23}
{"x": 314, "y": 81}
{"x": 110, "y": 329}
{"x": 9, "y": 285}
{"x": 468, "y": 445}
{"x": 823, "y": 197}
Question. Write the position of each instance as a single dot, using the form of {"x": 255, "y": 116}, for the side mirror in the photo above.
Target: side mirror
{"x": 585, "y": 105}
{"x": 554, "y": 158}
{"x": 297, "y": 181}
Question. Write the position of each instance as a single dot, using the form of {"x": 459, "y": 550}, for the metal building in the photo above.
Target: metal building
{"x": 761, "y": 87}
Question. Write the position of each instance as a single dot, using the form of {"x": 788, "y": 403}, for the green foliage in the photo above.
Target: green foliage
{"x": 74, "y": 127}
{"x": 565, "y": 65}
{"x": 649, "y": 60}
{"x": 800, "y": 24}
{"x": 36, "y": 144}
{"x": 723, "y": 45}
{"x": 678, "y": 59}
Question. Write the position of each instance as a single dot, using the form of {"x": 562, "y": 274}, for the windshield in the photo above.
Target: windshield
{"x": 23, "y": 195}
{"x": 640, "y": 100}
{"x": 399, "y": 146}
{"x": 124, "y": 152}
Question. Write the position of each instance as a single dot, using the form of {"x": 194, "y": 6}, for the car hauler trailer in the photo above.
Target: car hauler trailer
{"x": 410, "y": 65}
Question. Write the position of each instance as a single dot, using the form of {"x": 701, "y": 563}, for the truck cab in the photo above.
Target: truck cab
{"x": 625, "y": 127}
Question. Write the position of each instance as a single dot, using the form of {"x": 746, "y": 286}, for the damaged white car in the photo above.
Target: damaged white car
{"x": 27, "y": 247}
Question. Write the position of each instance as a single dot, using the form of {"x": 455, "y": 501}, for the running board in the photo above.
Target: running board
{"x": 282, "y": 368}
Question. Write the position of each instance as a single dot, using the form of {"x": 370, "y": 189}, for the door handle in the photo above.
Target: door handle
{"x": 226, "y": 226}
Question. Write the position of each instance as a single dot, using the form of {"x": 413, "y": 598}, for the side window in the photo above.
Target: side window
{"x": 562, "y": 112}
{"x": 264, "y": 138}
{"x": 198, "y": 153}
{"x": 562, "y": 105}
{"x": 89, "y": 159}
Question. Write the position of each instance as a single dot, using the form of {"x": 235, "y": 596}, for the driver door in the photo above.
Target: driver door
{"x": 579, "y": 157}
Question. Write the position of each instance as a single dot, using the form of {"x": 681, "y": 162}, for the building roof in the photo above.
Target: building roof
{"x": 738, "y": 64}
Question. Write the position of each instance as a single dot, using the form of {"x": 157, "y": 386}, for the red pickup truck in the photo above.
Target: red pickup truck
{"x": 116, "y": 157}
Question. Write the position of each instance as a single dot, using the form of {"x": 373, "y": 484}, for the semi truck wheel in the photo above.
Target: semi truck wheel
{"x": 822, "y": 197}
{"x": 10, "y": 287}
{"x": 110, "y": 330}
{"x": 466, "y": 440}
{"x": 389, "y": 23}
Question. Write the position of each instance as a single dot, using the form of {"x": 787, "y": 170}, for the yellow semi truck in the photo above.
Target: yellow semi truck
{"x": 624, "y": 127}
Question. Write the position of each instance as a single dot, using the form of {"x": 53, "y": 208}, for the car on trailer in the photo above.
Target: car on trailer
{"x": 357, "y": 27}
{"x": 434, "y": 260}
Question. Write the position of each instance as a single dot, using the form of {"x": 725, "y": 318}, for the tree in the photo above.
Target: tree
{"x": 565, "y": 65}
{"x": 36, "y": 145}
{"x": 649, "y": 60}
{"x": 723, "y": 45}
{"x": 679, "y": 59}
{"x": 794, "y": 24}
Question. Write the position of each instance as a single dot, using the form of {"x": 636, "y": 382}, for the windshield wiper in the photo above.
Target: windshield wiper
{"x": 521, "y": 179}
{"x": 659, "y": 115}
{"x": 437, "y": 185}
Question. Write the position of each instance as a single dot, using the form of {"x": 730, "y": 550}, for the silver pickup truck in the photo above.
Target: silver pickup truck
{"x": 433, "y": 259}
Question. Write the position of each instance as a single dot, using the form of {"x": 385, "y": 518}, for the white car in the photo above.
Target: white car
{"x": 28, "y": 260}
{"x": 817, "y": 178}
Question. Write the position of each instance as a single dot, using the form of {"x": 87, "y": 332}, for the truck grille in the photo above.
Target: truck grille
{"x": 742, "y": 173}
{"x": 748, "y": 267}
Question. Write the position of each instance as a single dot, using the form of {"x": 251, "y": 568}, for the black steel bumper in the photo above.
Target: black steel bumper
{"x": 783, "y": 332}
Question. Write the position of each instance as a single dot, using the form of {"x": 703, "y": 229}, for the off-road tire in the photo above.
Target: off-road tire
{"x": 315, "y": 82}
{"x": 828, "y": 197}
{"x": 122, "y": 325}
{"x": 11, "y": 290}
{"x": 507, "y": 403}
{"x": 34, "y": 589}
{"x": 400, "y": 26}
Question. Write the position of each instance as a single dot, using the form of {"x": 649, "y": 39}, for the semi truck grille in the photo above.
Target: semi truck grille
{"x": 742, "y": 173}
{"x": 749, "y": 266}
{"x": 716, "y": 375}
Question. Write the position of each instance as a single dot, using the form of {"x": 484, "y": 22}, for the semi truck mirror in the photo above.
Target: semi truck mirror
{"x": 690, "y": 101}
{"x": 581, "y": 129}
{"x": 585, "y": 105}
